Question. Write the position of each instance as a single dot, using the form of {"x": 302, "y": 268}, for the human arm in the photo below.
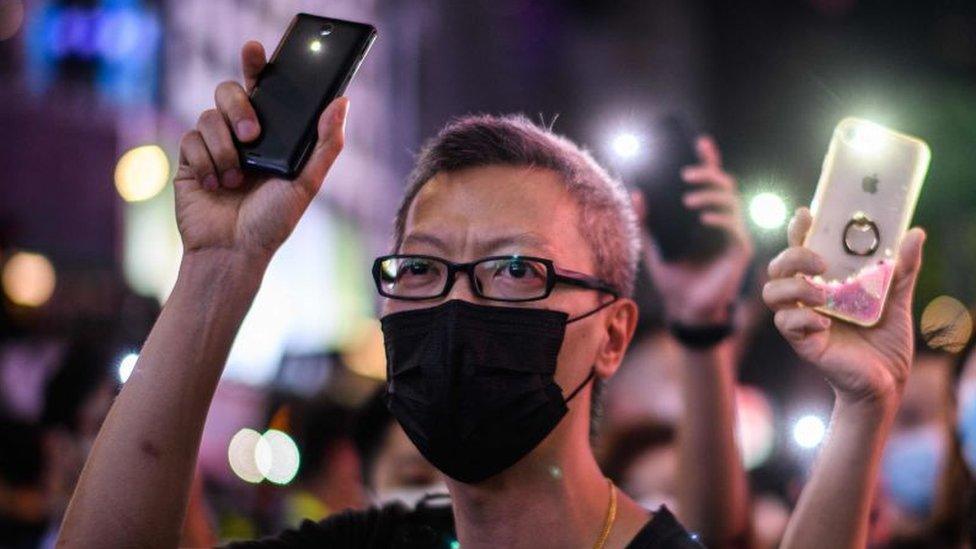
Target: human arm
{"x": 713, "y": 491}
{"x": 134, "y": 489}
{"x": 867, "y": 369}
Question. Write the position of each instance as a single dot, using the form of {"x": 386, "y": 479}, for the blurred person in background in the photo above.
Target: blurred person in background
{"x": 77, "y": 399}
{"x": 642, "y": 459}
{"x": 24, "y": 508}
{"x": 329, "y": 476}
{"x": 392, "y": 467}
{"x": 915, "y": 455}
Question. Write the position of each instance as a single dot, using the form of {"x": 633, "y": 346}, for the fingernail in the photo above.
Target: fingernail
{"x": 246, "y": 129}
{"x": 233, "y": 178}
{"x": 210, "y": 182}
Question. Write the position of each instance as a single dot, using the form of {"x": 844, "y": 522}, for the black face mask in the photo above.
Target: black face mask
{"x": 472, "y": 385}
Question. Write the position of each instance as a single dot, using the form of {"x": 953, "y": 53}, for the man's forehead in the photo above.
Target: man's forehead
{"x": 496, "y": 206}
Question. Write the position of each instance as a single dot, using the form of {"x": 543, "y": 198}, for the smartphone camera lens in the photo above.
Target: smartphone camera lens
{"x": 326, "y": 29}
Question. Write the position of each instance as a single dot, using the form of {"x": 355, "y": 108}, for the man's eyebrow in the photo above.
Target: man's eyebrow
{"x": 425, "y": 238}
{"x": 528, "y": 240}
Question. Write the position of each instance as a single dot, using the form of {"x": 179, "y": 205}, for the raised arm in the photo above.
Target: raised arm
{"x": 134, "y": 488}
{"x": 713, "y": 496}
{"x": 867, "y": 368}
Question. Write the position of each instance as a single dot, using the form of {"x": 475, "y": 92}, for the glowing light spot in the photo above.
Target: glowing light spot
{"x": 315, "y": 46}
{"x": 277, "y": 457}
{"x": 455, "y": 544}
{"x": 754, "y": 426}
{"x": 946, "y": 324}
{"x": 809, "y": 431}
{"x": 141, "y": 173}
{"x": 28, "y": 279}
{"x": 626, "y": 145}
{"x": 556, "y": 472}
{"x": 241, "y": 455}
{"x": 126, "y": 366}
{"x": 767, "y": 210}
{"x": 866, "y": 137}
{"x": 11, "y": 17}
{"x": 365, "y": 354}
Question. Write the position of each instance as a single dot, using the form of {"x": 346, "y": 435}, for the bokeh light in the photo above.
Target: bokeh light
{"x": 754, "y": 426}
{"x": 277, "y": 457}
{"x": 809, "y": 431}
{"x": 28, "y": 279}
{"x": 866, "y": 137}
{"x": 126, "y": 365}
{"x": 141, "y": 173}
{"x": 241, "y": 455}
{"x": 946, "y": 324}
{"x": 767, "y": 210}
{"x": 625, "y": 145}
{"x": 11, "y": 17}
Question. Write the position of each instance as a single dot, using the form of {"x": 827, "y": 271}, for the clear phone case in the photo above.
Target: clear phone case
{"x": 864, "y": 202}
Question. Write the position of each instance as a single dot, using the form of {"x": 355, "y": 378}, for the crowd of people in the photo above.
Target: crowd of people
{"x": 509, "y": 416}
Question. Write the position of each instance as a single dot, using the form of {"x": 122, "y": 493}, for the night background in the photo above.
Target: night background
{"x": 85, "y": 83}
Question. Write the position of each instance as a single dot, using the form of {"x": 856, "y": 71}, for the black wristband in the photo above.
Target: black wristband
{"x": 700, "y": 337}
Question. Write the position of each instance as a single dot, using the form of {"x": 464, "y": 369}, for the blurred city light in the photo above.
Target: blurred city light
{"x": 767, "y": 210}
{"x": 626, "y": 145}
{"x": 946, "y": 324}
{"x": 11, "y": 17}
{"x": 809, "y": 431}
{"x": 28, "y": 279}
{"x": 241, "y": 455}
{"x": 755, "y": 433}
{"x": 126, "y": 366}
{"x": 866, "y": 137}
{"x": 141, "y": 173}
{"x": 365, "y": 354}
{"x": 277, "y": 457}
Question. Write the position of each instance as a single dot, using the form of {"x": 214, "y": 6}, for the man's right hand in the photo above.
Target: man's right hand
{"x": 219, "y": 207}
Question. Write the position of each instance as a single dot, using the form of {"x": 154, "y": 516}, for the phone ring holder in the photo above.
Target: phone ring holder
{"x": 861, "y": 235}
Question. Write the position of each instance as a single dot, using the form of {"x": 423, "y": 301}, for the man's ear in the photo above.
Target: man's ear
{"x": 640, "y": 208}
{"x": 620, "y": 325}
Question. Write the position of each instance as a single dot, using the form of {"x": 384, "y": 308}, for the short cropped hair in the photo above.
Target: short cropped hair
{"x": 607, "y": 219}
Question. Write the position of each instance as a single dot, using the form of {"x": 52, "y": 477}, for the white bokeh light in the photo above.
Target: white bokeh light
{"x": 767, "y": 210}
{"x": 867, "y": 137}
{"x": 242, "y": 453}
{"x": 126, "y": 366}
{"x": 626, "y": 145}
{"x": 277, "y": 457}
{"x": 809, "y": 431}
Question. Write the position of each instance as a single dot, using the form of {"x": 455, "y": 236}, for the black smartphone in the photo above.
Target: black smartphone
{"x": 312, "y": 65}
{"x": 678, "y": 232}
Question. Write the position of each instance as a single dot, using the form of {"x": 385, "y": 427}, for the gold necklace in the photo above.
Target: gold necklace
{"x": 611, "y": 516}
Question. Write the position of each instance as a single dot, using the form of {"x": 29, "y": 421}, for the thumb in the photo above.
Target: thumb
{"x": 909, "y": 264}
{"x": 331, "y": 137}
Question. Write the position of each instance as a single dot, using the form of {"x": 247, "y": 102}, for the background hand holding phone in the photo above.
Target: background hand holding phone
{"x": 219, "y": 207}
{"x": 861, "y": 364}
{"x": 698, "y": 292}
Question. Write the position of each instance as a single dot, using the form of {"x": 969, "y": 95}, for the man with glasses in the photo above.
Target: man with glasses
{"x": 505, "y": 308}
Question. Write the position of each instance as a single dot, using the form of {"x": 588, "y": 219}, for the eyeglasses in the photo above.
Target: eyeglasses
{"x": 510, "y": 278}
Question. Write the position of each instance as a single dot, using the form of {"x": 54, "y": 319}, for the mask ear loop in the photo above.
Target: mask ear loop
{"x": 592, "y": 375}
{"x": 594, "y": 311}
{"x": 579, "y": 388}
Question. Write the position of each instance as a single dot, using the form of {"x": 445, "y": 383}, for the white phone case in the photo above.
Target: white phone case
{"x": 864, "y": 202}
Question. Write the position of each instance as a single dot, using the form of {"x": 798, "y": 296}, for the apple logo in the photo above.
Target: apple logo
{"x": 870, "y": 184}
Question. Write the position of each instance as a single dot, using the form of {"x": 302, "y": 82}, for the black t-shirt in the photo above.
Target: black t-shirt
{"x": 430, "y": 526}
